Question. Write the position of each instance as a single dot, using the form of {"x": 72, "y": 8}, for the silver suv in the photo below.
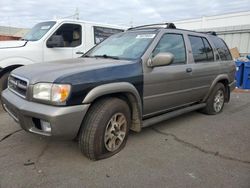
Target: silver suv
{"x": 133, "y": 79}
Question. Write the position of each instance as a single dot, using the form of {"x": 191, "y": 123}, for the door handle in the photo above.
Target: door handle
{"x": 79, "y": 53}
{"x": 189, "y": 70}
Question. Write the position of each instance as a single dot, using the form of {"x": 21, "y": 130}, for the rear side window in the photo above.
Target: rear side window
{"x": 202, "y": 51}
{"x": 222, "y": 48}
{"x": 173, "y": 43}
{"x": 101, "y": 33}
{"x": 208, "y": 49}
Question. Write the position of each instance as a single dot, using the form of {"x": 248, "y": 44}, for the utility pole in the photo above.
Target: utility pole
{"x": 74, "y": 16}
{"x": 9, "y": 26}
{"x": 131, "y": 23}
{"x": 77, "y": 13}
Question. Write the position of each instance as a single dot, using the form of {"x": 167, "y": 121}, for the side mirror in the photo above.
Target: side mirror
{"x": 55, "y": 41}
{"x": 161, "y": 59}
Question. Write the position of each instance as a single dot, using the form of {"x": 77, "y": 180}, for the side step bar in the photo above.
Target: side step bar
{"x": 169, "y": 115}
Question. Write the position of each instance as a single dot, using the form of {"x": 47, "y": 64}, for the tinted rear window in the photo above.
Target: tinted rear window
{"x": 201, "y": 49}
{"x": 222, "y": 48}
{"x": 209, "y": 50}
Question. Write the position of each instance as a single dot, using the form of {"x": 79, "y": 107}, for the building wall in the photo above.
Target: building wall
{"x": 13, "y": 31}
{"x": 237, "y": 37}
{"x": 3, "y": 38}
{"x": 206, "y": 22}
{"x": 233, "y": 28}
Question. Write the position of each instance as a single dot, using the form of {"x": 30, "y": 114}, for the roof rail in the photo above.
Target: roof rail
{"x": 167, "y": 26}
{"x": 209, "y": 32}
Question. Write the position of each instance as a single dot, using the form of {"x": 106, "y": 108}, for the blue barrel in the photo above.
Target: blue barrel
{"x": 239, "y": 73}
{"x": 246, "y": 76}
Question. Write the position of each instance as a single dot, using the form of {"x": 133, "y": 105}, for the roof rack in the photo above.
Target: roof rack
{"x": 209, "y": 32}
{"x": 160, "y": 25}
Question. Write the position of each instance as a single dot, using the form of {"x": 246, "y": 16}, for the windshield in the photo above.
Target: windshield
{"x": 38, "y": 31}
{"x": 128, "y": 45}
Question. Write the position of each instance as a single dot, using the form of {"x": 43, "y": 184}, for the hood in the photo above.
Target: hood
{"x": 51, "y": 71}
{"x": 12, "y": 44}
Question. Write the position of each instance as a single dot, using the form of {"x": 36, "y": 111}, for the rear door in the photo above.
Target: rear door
{"x": 168, "y": 87}
{"x": 204, "y": 66}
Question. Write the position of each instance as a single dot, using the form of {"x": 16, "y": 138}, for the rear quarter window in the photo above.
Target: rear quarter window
{"x": 222, "y": 48}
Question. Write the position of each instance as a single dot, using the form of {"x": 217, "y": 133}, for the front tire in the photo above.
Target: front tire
{"x": 216, "y": 100}
{"x": 105, "y": 129}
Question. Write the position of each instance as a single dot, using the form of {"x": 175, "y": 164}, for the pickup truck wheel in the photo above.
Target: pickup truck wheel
{"x": 105, "y": 129}
{"x": 216, "y": 100}
{"x": 4, "y": 82}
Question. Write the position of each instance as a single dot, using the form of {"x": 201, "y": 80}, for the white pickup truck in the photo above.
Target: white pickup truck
{"x": 52, "y": 40}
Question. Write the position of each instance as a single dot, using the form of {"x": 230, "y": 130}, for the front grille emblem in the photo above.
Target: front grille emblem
{"x": 18, "y": 85}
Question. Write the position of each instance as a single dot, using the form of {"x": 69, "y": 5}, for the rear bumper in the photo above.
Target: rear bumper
{"x": 64, "y": 121}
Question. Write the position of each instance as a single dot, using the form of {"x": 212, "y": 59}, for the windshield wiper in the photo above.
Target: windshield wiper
{"x": 23, "y": 39}
{"x": 107, "y": 56}
{"x": 85, "y": 55}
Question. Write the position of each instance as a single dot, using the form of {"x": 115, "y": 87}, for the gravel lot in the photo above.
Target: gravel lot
{"x": 193, "y": 150}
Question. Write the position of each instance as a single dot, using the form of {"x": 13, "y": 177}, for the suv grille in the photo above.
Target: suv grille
{"x": 18, "y": 85}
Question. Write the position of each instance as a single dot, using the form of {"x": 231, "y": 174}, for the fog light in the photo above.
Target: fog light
{"x": 46, "y": 127}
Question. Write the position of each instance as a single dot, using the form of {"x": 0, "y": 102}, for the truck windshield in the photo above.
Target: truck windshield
{"x": 128, "y": 45}
{"x": 38, "y": 31}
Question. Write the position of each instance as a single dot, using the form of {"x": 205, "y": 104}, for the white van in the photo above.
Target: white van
{"x": 52, "y": 40}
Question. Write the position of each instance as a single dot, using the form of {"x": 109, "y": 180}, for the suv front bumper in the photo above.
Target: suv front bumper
{"x": 64, "y": 121}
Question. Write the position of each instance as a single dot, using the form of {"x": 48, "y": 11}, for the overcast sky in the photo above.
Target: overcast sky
{"x": 25, "y": 13}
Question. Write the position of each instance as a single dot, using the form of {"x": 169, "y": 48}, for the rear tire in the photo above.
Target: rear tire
{"x": 216, "y": 100}
{"x": 4, "y": 82}
{"x": 105, "y": 129}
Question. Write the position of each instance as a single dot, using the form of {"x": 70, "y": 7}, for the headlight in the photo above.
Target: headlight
{"x": 51, "y": 92}
{"x": 42, "y": 91}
